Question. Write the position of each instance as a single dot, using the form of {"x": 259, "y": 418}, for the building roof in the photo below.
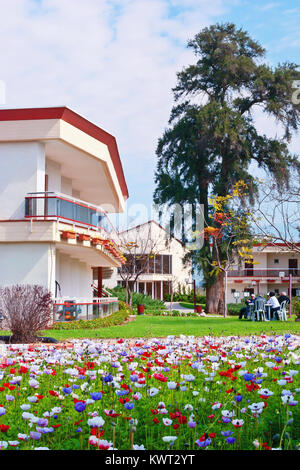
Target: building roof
{"x": 69, "y": 116}
{"x": 151, "y": 222}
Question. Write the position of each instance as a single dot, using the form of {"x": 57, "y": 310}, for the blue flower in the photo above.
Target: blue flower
{"x": 248, "y": 376}
{"x": 238, "y": 398}
{"x": 108, "y": 378}
{"x": 226, "y": 433}
{"x": 80, "y": 406}
{"x": 226, "y": 420}
{"x": 134, "y": 378}
{"x": 96, "y": 396}
{"x": 203, "y": 443}
{"x": 67, "y": 390}
{"x": 230, "y": 440}
{"x": 129, "y": 406}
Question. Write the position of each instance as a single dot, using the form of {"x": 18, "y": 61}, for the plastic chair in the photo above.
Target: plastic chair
{"x": 282, "y": 311}
{"x": 259, "y": 310}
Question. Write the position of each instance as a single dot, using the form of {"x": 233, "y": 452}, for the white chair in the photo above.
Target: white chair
{"x": 259, "y": 310}
{"x": 282, "y": 311}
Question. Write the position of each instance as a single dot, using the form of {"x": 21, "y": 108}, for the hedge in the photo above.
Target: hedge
{"x": 114, "y": 319}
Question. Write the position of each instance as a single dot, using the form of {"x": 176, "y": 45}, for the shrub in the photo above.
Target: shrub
{"x": 137, "y": 298}
{"x": 27, "y": 309}
{"x": 295, "y": 305}
{"x": 114, "y": 319}
{"x": 234, "y": 309}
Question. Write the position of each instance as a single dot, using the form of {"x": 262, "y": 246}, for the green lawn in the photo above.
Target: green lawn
{"x": 159, "y": 326}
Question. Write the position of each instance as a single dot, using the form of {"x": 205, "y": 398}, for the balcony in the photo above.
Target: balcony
{"x": 268, "y": 273}
{"x": 57, "y": 206}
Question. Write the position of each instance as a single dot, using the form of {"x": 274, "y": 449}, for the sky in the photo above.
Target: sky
{"x": 115, "y": 63}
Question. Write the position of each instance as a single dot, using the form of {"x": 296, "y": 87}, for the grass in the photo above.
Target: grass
{"x": 146, "y": 326}
{"x": 190, "y": 305}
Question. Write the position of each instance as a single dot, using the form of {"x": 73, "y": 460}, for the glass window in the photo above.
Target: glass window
{"x": 158, "y": 264}
{"x": 166, "y": 264}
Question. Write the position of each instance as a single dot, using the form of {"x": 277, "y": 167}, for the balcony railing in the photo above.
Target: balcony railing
{"x": 271, "y": 273}
{"x": 83, "y": 309}
{"x": 51, "y": 205}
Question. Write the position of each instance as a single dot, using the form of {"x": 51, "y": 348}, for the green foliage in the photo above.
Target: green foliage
{"x": 114, "y": 319}
{"x": 296, "y": 306}
{"x": 178, "y": 297}
{"x": 209, "y": 147}
{"x": 137, "y": 298}
{"x": 234, "y": 309}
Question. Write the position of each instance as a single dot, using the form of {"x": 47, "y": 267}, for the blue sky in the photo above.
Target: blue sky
{"x": 115, "y": 62}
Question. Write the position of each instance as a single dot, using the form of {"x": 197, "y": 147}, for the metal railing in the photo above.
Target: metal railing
{"x": 278, "y": 273}
{"x": 51, "y": 205}
{"x": 67, "y": 309}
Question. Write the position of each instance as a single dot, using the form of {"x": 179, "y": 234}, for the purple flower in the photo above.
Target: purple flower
{"x": 230, "y": 440}
{"x": 108, "y": 378}
{"x": 96, "y": 396}
{"x": 67, "y": 390}
{"x": 238, "y": 397}
{"x": 226, "y": 433}
{"x": 134, "y": 378}
{"x": 203, "y": 443}
{"x": 35, "y": 435}
{"x": 129, "y": 406}
{"x": 42, "y": 422}
{"x": 248, "y": 376}
{"x": 192, "y": 424}
{"x": 226, "y": 420}
{"x": 79, "y": 406}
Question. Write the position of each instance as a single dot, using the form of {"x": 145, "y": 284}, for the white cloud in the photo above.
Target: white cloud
{"x": 113, "y": 61}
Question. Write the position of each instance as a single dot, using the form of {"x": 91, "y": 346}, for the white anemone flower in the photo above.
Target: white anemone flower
{"x": 169, "y": 438}
{"x": 96, "y": 422}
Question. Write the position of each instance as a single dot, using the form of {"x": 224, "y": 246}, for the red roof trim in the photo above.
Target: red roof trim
{"x": 77, "y": 121}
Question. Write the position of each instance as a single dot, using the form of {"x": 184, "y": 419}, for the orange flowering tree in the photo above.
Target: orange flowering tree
{"x": 230, "y": 238}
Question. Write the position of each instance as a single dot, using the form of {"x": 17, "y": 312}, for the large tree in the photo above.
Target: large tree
{"x": 212, "y": 138}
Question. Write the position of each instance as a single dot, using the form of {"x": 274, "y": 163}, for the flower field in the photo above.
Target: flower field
{"x": 179, "y": 393}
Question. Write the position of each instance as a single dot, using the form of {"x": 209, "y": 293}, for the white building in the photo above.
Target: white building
{"x": 272, "y": 269}
{"x": 165, "y": 270}
{"x": 60, "y": 176}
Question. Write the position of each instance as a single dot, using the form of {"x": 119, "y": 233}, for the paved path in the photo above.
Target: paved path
{"x": 177, "y": 306}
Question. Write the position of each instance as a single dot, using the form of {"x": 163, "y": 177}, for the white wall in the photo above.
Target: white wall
{"x": 75, "y": 277}
{"x": 25, "y": 263}
{"x": 22, "y": 170}
{"x": 53, "y": 170}
{"x": 66, "y": 186}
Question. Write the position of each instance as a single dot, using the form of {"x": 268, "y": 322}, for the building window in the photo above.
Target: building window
{"x": 154, "y": 264}
{"x": 167, "y": 264}
{"x": 276, "y": 261}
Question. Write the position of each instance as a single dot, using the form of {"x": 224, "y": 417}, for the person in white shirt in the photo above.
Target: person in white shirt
{"x": 275, "y": 306}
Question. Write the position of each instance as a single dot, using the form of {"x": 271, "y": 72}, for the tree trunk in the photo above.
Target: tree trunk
{"x": 215, "y": 296}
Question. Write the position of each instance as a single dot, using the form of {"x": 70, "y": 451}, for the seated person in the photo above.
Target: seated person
{"x": 275, "y": 306}
{"x": 283, "y": 298}
{"x": 244, "y": 312}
